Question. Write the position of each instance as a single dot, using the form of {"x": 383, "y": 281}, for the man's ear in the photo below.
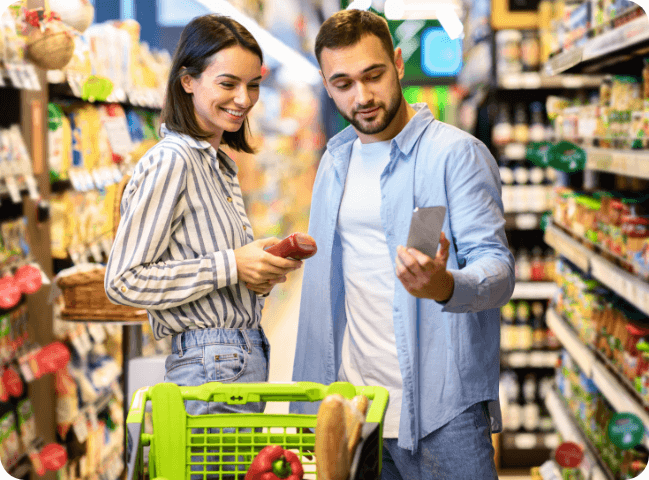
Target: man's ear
{"x": 324, "y": 82}
{"x": 398, "y": 62}
{"x": 186, "y": 82}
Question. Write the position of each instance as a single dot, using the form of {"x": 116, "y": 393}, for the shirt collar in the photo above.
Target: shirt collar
{"x": 202, "y": 145}
{"x": 405, "y": 140}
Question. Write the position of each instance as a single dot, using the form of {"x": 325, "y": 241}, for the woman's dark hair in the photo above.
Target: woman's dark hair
{"x": 200, "y": 40}
{"x": 346, "y": 28}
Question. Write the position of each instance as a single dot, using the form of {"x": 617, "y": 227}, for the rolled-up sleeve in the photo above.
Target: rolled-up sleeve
{"x": 485, "y": 277}
{"x": 152, "y": 209}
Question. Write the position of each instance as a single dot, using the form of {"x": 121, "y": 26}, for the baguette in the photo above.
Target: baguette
{"x": 333, "y": 460}
{"x": 354, "y": 419}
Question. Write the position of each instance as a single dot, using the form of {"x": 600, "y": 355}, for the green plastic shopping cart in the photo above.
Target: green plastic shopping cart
{"x": 185, "y": 447}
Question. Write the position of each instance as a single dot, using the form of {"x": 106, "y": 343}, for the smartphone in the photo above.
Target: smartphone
{"x": 425, "y": 229}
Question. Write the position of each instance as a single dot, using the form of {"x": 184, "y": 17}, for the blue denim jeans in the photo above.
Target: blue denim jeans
{"x": 218, "y": 355}
{"x": 460, "y": 449}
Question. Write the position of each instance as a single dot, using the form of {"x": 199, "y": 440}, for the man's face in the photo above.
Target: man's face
{"x": 363, "y": 81}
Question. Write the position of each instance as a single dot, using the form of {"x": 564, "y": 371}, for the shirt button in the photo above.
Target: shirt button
{"x": 123, "y": 289}
{"x": 244, "y": 227}
{"x": 230, "y": 199}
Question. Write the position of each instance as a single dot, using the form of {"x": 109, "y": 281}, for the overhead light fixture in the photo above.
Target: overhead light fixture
{"x": 291, "y": 60}
{"x": 360, "y": 5}
{"x": 446, "y": 11}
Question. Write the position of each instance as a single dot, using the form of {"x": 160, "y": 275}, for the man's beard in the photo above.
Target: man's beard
{"x": 391, "y": 112}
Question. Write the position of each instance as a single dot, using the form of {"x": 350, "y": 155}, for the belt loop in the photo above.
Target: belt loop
{"x": 245, "y": 337}
{"x": 179, "y": 344}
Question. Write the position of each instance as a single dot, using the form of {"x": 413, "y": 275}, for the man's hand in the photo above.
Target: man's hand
{"x": 425, "y": 277}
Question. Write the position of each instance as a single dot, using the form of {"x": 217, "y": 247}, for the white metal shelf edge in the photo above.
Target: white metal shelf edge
{"x": 621, "y": 162}
{"x": 579, "y": 352}
{"x": 623, "y": 283}
{"x": 534, "y": 290}
{"x": 568, "y": 247}
{"x": 566, "y": 426}
{"x": 618, "y": 397}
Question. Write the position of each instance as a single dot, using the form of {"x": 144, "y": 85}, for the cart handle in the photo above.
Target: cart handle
{"x": 242, "y": 393}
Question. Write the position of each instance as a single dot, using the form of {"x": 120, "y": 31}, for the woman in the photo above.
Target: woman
{"x": 184, "y": 249}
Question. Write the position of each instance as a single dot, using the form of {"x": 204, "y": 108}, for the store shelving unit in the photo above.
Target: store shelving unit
{"x": 539, "y": 81}
{"x": 628, "y": 286}
{"x": 590, "y": 466}
{"x": 630, "y": 163}
{"x": 614, "y": 386}
{"x": 604, "y": 50}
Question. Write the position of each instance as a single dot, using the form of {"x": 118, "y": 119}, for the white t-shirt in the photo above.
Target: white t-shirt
{"x": 369, "y": 352}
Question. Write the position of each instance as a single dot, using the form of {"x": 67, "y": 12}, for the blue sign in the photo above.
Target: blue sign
{"x": 440, "y": 56}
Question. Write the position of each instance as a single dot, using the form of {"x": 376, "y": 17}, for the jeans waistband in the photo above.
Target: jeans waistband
{"x": 217, "y": 336}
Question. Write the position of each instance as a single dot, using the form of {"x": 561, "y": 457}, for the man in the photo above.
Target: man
{"x": 375, "y": 313}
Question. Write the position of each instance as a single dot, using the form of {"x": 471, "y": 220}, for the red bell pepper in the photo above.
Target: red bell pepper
{"x": 275, "y": 463}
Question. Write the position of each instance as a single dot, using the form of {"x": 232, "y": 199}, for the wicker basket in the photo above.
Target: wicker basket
{"x": 53, "y": 48}
{"x": 84, "y": 298}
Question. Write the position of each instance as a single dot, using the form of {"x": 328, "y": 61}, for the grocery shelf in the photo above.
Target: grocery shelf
{"x": 626, "y": 285}
{"x": 567, "y": 426}
{"x": 631, "y": 163}
{"x": 523, "y": 221}
{"x": 537, "y": 81}
{"x": 567, "y": 246}
{"x": 614, "y": 389}
{"x": 580, "y": 353}
{"x": 530, "y": 359}
{"x": 632, "y": 35}
{"x": 533, "y": 290}
{"x": 529, "y": 440}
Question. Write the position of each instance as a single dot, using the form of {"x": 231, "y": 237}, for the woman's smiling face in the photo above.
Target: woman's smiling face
{"x": 226, "y": 91}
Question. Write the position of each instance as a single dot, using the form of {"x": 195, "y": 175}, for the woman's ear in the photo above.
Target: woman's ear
{"x": 187, "y": 83}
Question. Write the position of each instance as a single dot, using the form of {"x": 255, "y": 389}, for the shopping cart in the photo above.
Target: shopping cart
{"x": 184, "y": 447}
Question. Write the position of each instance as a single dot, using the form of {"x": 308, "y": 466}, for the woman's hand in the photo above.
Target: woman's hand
{"x": 260, "y": 270}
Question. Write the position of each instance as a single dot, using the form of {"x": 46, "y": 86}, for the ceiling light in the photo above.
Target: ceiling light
{"x": 360, "y": 5}
{"x": 271, "y": 46}
{"x": 448, "y": 13}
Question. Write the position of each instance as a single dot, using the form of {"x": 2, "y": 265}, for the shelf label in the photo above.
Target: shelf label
{"x": 625, "y": 430}
{"x": 569, "y": 455}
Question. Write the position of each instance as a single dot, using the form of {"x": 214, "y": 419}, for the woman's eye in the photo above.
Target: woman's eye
{"x": 227, "y": 85}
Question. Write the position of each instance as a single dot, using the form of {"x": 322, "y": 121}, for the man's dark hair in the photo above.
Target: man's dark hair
{"x": 346, "y": 28}
{"x": 200, "y": 40}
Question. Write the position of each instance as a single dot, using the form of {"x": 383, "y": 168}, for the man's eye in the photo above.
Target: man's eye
{"x": 342, "y": 86}
{"x": 254, "y": 85}
{"x": 227, "y": 85}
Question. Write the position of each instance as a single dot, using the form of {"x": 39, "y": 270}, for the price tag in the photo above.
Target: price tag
{"x": 518, "y": 359}
{"x": 14, "y": 76}
{"x": 107, "y": 245}
{"x": 92, "y": 416}
{"x": 32, "y": 188}
{"x": 97, "y": 332}
{"x": 95, "y": 251}
{"x": 26, "y": 77}
{"x": 31, "y": 71}
{"x": 551, "y": 440}
{"x": 117, "y": 391}
{"x": 526, "y": 221}
{"x": 80, "y": 427}
{"x": 14, "y": 191}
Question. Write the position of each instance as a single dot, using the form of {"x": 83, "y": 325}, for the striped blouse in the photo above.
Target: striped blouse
{"x": 182, "y": 217}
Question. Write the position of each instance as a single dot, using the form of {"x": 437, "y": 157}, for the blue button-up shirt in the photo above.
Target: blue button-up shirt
{"x": 448, "y": 352}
